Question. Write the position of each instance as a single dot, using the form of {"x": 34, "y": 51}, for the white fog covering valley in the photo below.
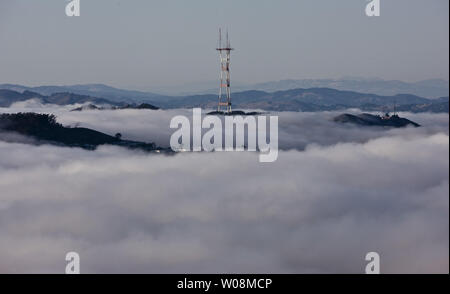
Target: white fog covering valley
{"x": 335, "y": 193}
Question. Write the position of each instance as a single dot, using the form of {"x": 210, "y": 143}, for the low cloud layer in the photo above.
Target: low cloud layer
{"x": 296, "y": 129}
{"x": 339, "y": 193}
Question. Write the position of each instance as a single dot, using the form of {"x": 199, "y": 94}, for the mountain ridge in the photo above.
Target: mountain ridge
{"x": 46, "y": 130}
{"x": 108, "y": 92}
{"x": 430, "y": 88}
{"x": 312, "y": 99}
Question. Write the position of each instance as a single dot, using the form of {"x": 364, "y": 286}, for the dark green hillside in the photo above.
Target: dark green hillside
{"x": 45, "y": 129}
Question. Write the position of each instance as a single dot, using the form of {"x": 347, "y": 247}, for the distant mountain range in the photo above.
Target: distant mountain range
{"x": 433, "y": 88}
{"x": 94, "y": 90}
{"x": 312, "y": 99}
{"x": 7, "y": 97}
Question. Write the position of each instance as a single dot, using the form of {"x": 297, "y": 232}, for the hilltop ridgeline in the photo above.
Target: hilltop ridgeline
{"x": 45, "y": 129}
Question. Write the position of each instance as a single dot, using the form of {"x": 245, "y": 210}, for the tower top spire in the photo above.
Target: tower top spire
{"x": 227, "y": 45}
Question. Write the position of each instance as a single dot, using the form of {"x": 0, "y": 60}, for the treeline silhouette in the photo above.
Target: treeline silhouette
{"x": 45, "y": 127}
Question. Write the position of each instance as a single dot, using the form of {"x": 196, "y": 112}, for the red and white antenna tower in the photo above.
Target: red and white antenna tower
{"x": 224, "y": 54}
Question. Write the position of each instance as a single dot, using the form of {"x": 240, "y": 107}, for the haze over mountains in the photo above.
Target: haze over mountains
{"x": 314, "y": 99}
{"x": 307, "y": 98}
{"x": 7, "y": 97}
{"x": 432, "y": 88}
{"x": 94, "y": 90}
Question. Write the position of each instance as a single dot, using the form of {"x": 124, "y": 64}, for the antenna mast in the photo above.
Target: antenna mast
{"x": 224, "y": 55}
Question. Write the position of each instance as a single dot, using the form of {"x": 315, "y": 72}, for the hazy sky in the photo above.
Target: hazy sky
{"x": 148, "y": 44}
